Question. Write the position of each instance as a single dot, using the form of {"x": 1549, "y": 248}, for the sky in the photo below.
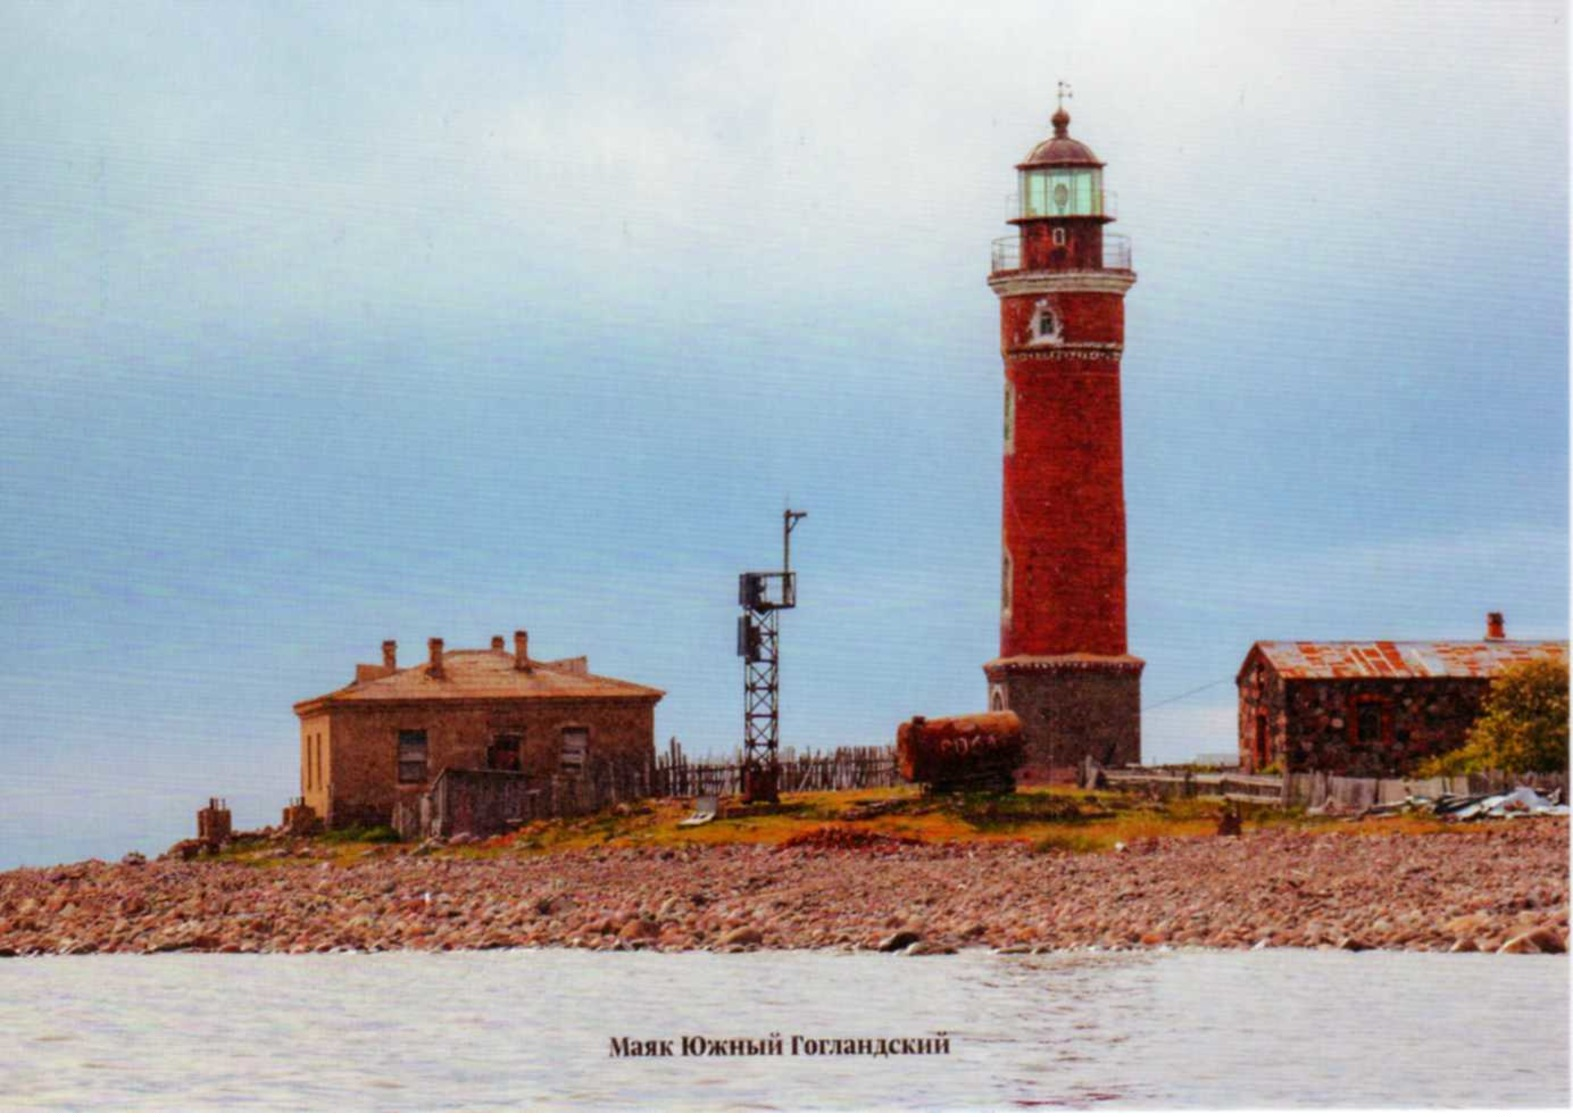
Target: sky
{"x": 330, "y": 324}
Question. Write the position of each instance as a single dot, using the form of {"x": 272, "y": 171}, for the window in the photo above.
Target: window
{"x": 503, "y": 755}
{"x": 1062, "y": 192}
{"x": 1005, "y": 570}
{"x": 576, "y": 749}
{"x": 1059, "y": 238}
{"x": 412, "y": 756}
{"x": 1010, "y": 418}
{"x": 1045, "y": 324}
{"x": 1371, "y": 721}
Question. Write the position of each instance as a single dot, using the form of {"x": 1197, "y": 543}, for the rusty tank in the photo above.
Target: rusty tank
{"x": 977, "y": 752}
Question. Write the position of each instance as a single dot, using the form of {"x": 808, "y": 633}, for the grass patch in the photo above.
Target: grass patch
{"x": 369, "y": 834}
{"x": 1066, "y": 818}
{"x": 1061, "y": 819}
{"x": 1070, "y": 842}
{"x": 1002, "y": 812}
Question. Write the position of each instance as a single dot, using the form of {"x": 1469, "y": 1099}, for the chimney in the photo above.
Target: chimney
{"x": 497, "y": 645}
{"x": 521, "y": 650}
{"x": 390, "y": 655}
{"x": 1494, "y": 628}
{"x": 434, "y": 669}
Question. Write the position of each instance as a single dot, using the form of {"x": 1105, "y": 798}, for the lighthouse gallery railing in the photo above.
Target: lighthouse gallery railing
{"x": 1116, "y": 253}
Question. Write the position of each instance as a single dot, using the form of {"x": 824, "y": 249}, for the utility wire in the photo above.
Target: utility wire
{"x": 1187, "y": 694}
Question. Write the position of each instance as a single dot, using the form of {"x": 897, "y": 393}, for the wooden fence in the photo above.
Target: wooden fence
{"x": 1185, "y": 784}
{"x": 482, "y": 802}
{"x": 1318, "y": 789}
{"x": 1313, "y": 789}
{"x": 485, "y": 801}
{"x": 839, "y": 769}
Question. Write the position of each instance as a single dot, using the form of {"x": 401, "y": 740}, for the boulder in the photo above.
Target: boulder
{"x": 898, "y": 941}
{"x": 639, "y": 929}
{"x": 1542, "y": 940}
{"x": 1520, "y": 944}
{"x": 1465, "y": 924}
{"x": 1549, "y": 940}
{"x": 184, "y": 850}
{"x": 1229, "y": 821}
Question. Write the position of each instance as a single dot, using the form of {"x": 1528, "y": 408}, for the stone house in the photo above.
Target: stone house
{"x": 383, "y": 739}
{"x": 1369, "y": 708}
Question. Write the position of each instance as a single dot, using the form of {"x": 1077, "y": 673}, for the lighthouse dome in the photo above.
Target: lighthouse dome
{"x": 1059, "y": 150}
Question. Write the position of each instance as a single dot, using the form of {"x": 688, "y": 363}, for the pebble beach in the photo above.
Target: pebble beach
{"x": 1497, "y": 887}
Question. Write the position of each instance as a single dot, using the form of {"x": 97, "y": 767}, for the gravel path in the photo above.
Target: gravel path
{"x": 1481, "y": 887}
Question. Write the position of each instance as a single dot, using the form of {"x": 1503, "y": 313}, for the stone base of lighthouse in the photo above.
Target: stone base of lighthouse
{"x": 1071, "y": 707}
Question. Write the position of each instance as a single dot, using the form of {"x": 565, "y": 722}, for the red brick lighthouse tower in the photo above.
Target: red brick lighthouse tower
{"x": 1063, "y": 665}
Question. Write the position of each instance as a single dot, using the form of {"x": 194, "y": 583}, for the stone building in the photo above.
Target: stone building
{"x": 385, "y": 737}
{"x": 1369, "y": 708}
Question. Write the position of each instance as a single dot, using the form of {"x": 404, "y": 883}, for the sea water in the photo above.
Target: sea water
{"x": 552, "y": 1029}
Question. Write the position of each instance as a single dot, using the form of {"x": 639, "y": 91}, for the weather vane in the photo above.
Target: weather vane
{"x": 1063, "y": 92}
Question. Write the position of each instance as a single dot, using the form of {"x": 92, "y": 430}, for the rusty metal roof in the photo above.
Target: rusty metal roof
{"x": 1059, "y": 150}
{"x": 486, "y": 674}
{"x": 1399, "y": 659}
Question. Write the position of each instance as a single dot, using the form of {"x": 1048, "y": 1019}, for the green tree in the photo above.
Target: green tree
{"x": 1522, "y": 728}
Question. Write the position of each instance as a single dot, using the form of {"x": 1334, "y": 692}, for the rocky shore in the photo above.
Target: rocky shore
{"x": 1500, "y": 887}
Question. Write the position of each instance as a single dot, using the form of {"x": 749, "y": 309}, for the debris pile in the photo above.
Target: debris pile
{"x": 1521, "y": 802}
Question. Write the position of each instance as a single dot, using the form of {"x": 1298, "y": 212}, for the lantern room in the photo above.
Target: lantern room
{"x": 1062, "y": 178}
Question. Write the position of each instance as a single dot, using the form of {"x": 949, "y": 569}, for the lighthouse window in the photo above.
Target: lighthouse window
{"x": 1062, "y": 192}
{"x": 1045, "y": 326}
{"x": 1005, "y": 583}
{"x": 1010, "y": 417}
{"x": 1059, "y": 238}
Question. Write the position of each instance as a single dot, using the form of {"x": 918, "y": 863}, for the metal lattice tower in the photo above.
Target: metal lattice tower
{"x": 763, "y": 594}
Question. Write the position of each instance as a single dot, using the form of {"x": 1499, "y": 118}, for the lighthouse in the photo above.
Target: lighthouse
{"x": 1061, "y": 278}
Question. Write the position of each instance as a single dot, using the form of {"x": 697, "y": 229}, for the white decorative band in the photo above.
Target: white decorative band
{"x": 997, "y": 670}
{"x": 1066, "y": 353}
{"x": 1006, "y": 284}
